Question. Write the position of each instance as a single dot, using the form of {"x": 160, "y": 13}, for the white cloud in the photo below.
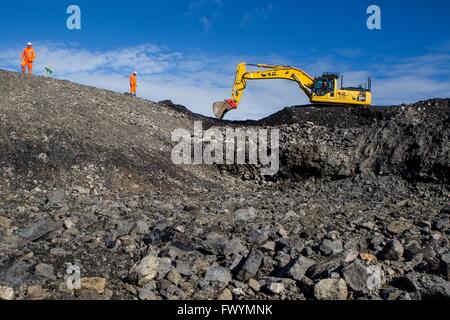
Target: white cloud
{"x": 205, "y": 11}
{"x": 257, "y": 13}
{"x": 409, "y": 89}
{"x": 197, "y": 79}
{"x": 410, "y": 79}
{"x": 349, "y": 52}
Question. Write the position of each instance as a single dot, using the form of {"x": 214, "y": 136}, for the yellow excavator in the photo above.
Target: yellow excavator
{"x": 325, "y": 89}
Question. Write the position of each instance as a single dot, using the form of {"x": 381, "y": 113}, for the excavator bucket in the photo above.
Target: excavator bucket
{"x": 220, "y": 108}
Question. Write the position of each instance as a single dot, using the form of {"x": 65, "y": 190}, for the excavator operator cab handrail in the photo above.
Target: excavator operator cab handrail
{"x": 267, "y": 66}
{"x": 330, "y": 75}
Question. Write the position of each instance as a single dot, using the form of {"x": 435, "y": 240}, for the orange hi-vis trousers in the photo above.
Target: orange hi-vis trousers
{"x": 133, "y": 89}
{"x": 25, "y": 63}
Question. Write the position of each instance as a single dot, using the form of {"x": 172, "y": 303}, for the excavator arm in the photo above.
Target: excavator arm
{"x": 304, "y": 80}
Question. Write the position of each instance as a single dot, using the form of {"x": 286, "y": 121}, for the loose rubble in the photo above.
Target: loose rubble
{"x": 359, "y": 209}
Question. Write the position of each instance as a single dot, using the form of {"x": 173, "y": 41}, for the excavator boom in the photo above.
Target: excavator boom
{"x": 319, "y": 90}
{"x": 304, "y": 80}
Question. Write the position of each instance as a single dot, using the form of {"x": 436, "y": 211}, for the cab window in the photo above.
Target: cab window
{"x": 324, "y": 86}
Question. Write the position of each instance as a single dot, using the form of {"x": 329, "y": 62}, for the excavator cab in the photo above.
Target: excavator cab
{"x": 325, "y": 84}
{"x": 328, "y": 90}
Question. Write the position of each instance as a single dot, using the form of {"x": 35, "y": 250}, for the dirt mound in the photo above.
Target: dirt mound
{"x": 330, "y": 116}
{"x": 56, "y": 131}
{"x": 408, "y": 141}
{"x": 87, "y": 181}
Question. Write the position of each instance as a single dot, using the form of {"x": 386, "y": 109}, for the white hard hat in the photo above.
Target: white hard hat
{"x": 135, "y": 72}
{"x": 29, "y": 44}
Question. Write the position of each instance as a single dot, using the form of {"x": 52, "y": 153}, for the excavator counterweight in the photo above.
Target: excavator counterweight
{"x": 320, "y": 90}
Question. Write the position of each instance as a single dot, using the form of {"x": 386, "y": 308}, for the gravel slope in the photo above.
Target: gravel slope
{"x": 359, "y": 208}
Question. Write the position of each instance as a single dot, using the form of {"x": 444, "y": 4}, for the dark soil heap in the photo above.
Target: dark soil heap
{"x": 358, "y": 210}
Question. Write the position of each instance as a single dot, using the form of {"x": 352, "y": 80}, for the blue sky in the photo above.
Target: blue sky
{"x": 186, "y": 50}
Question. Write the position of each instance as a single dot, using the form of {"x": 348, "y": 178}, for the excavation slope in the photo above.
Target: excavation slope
{"x": 50, "y": 129}
{"x": 56, "y": 131}
{"x": 87, "y": 179}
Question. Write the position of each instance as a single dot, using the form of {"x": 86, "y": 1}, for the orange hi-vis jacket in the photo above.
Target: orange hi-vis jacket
{"x": 29, "y": 54}
{"x": 133, "y": 82}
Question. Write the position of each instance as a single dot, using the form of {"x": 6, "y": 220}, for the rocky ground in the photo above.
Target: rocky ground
{"x": 359, "y": 209}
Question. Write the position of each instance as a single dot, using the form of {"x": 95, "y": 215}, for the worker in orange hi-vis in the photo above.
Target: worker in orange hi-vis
{"x": 133, "y": 84}
{"x": 28, "y": 56}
